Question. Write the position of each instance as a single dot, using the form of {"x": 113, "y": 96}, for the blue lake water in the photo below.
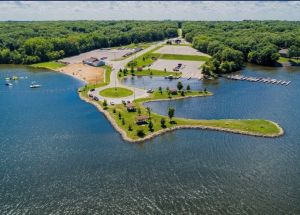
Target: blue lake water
{"x": 59, "y": 155}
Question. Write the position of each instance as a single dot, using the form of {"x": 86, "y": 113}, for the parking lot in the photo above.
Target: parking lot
{"x": 108, "y": 54}
{"x": 179, "y": 50}
{"x": 189, "y": 69}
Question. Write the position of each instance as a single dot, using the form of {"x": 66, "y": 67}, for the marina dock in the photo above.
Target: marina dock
{"x": 257, "y": 79}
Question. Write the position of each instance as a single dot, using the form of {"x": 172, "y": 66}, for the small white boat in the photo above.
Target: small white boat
{"x": 8, "y": 84}
{"x": 34, "y": 85}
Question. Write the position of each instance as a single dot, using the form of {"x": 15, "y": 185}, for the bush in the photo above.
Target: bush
{"x": 163, "y": 122}
{"x": 140, "y": 133}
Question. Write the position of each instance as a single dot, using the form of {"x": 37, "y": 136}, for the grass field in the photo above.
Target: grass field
{"x": 48, "y": 65}
{"x": 183, "y": 57}
{"x": 117, "y": 92}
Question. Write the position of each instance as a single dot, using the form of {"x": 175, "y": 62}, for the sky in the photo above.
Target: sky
{"x": 135, "y": 10}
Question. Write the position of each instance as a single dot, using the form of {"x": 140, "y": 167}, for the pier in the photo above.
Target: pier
{"x": 257, "y": 79}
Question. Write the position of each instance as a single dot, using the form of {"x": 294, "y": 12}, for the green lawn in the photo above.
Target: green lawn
{"x": 48, "y": 65}
{"x": 117, "y": 92}
{"x": 286, "y": 60}
{"x": 183, "y": 57}
{"x": 146, "y": 59}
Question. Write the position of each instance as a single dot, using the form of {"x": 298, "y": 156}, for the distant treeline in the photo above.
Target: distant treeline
{"x": 32, "y": 42}
{"x": 232, "y": 43}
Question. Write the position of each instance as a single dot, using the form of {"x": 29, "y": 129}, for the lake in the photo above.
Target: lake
{"x": 59, "y": 155}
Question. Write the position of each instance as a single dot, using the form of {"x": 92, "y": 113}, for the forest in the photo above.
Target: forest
{"x": 40, "y": 41}
{"x": 232, "y": 43}
{"x": 229, "y": 43}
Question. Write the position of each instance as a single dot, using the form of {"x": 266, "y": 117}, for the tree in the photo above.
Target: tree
{"x": 105, "y": 104}
{"x": 148, "y": 111}
{"x": 171, "y": 113}
{"x": 163, "y": 122}
{"x": 179, "y": 86}
{"x": 182, "y": 93}
{"x": 129, "y": 128}
{"x": 120, "y": 115}
{"x": 132, "y": 71}
{"x": 123, "y": 121}
{"x": 139, "y": 111}
{"x": 294, "y": 51}
{"x": 150, "y": 126}
{"x": 188, "y": 88}
{"x": 160, "y": 90}
{"x": 140, "y": 133}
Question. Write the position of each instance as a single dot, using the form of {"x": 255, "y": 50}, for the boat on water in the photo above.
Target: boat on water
{"x": 8, "y": 84}
{"x": 34, "y": 85}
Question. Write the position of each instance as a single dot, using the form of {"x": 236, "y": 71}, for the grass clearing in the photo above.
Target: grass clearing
{"x": 288, "y": 60}
{"x": 49, "y": 65}
{"x": 116, "y": 92}
{"x": 183, "y": 57}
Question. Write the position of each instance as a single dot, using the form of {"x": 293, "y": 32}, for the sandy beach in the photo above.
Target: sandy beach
{"x": 88, "y": 74}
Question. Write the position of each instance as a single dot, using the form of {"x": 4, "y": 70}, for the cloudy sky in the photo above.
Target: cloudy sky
{"x": 185, "y": 10}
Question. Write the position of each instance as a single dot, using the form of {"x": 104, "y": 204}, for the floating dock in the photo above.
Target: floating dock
{"x": 256, "y": 79}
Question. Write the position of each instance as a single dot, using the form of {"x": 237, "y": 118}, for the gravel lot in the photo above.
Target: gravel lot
{"x": 188, "y": 68}
{"x": 112, "y": 54}
{"x": 179, "y": 50}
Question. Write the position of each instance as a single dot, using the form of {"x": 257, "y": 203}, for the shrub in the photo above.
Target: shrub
{"x": 140, "y": 133}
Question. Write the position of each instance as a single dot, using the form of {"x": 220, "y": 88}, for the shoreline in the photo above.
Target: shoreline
{"x": 163, "y": 131}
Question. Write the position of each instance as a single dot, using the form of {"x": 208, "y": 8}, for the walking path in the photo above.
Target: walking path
{"x": 115, "y": 82}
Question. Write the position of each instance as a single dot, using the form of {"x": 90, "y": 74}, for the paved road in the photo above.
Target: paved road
{"x": 114, "y": 81}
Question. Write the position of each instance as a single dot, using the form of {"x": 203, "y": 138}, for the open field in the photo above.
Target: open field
{"x": 116, "y": 92}
{"x": 184, "y": 57}
{"x": 84, "y": 72}
{"x": 188, "y": 68}
{"x": 179, "y": 50}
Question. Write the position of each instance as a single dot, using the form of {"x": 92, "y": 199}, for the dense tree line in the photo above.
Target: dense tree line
{"x": 32, "y": 42}
{"x": 232, "y": 43}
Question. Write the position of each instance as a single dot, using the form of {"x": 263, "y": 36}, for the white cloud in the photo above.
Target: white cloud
{"x": 183, "y": 10}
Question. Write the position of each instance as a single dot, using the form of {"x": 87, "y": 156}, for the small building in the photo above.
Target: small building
{"x": 284, "y": 52}
{"x": 92, "y": 61}
{"x": 141, "y": 120}
{"x": 130, "y": 107}
{"x": 173, "y": 91}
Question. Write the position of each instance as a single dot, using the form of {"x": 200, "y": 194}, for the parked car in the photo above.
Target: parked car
{"x": 150, "y": 91}
{"x": 96, "y": 98}
{"x": 112, "y": 103}
{"x": 90, "y": 94}
{"x": 92, "y": 90}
